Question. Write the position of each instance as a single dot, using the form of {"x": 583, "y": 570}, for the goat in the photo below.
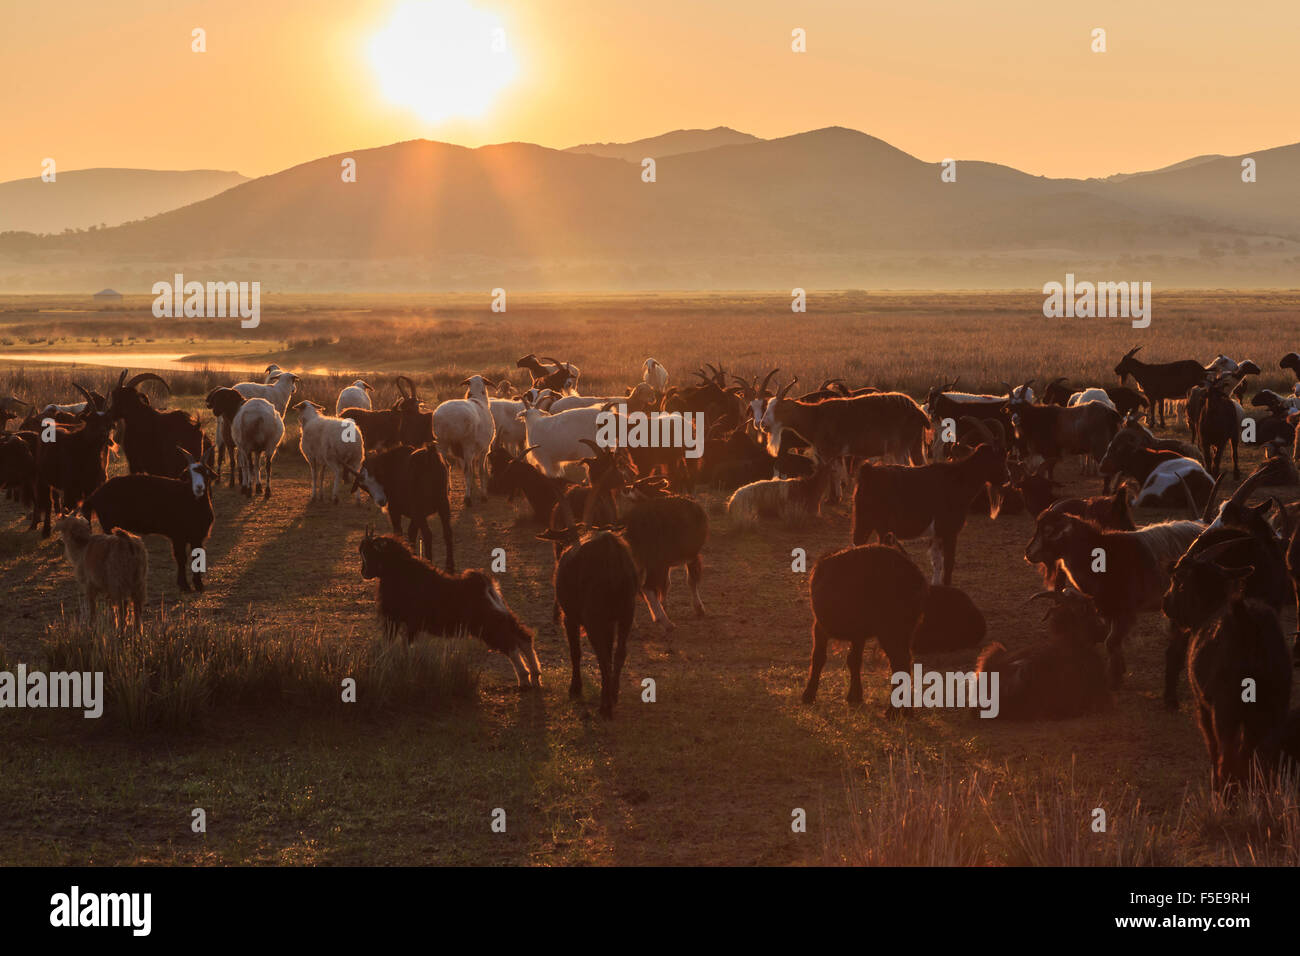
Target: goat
{"x": 1060, "y": 676}
{"x": 780, "y": 497}
{"x": 1091, "y": 395}
{"x": 1111, "y": 512}
{"x": 950, "y": 621}
{"x": 860, "y": 593}
{"x": 664, "y": 532}
{"x": 176, "y": 508}
{"x": 224, "y": 403}
{"x": 154, "y": 440}
{"x": 257, "y": 432}
{"x": 412, "y": 593}
{"x": 18, "y": 473}
{"x": 883, "y": 423}
{"x": 278, "y": 392}
{"x": 465, "y": 428}
{"x": 1160, "y": 382}
{"x": 654, "y": 375}
{"x": 561, "y": 377}
{"x": 333, "y": 443}
{"x": 554, "y": 439}
{"x": 1149, "y": 440}
{"x": 72, "y": 460}
{"x": 414, "y": 483}
{"x": 1242, "y": 642}
{"x": 911, "y": 501}
{"x": 354, "y": 396}
{"x": 513, "y": 474}
{"x": 404, "y": 423}
{"x": 271, "y": 373}
{"x": 115, "y": 566}
{"x": 1217, "y": 426}
{"x": 1161, "y": 475}
{"x": 1052, "y": 431}
{"x": 1128, "y": 575}
{"x": 596, "y": 582}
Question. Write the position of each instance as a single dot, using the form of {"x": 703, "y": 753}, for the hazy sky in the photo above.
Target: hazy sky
{"x": 95, "y": 83}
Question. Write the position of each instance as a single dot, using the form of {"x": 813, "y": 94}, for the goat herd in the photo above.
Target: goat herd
{"x": 620, "y": 518}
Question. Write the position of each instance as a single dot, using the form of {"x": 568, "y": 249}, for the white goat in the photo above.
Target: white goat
{"x": 277, "y": 393}
{"x": 1091, "y": 395}
{"x": 509, "y": 429}
{"x": 654, "y": 375}
{"x": 333, "y": 443}
{"x": 560, "y": 437}
{"x": 354, "y": 396}
{"x": 257, "y": 431}
{"x": 464, "y": 428}
{"x": 271, "y": 374}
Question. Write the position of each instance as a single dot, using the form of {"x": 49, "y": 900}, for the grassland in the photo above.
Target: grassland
{"x": 707, "y": 774}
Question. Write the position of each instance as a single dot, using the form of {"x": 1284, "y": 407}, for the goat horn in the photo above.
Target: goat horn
{"x": 1209, "y": 502}
{"x": 90, "y": 399}
{"x": 148, "y": 377}
{"x": 121, "y": 378}
{"x": 767, "y": 380}
{"x": 785, "y": 389}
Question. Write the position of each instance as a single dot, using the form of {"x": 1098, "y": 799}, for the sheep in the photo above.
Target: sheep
{"x": 154, "y": 440}
{"x": 1091, "y": 395}
{"x": 465, "y": 428}
{"x": 271, "y": 373}
{"x": 654, "y": 375}
{"x": 355, "y": 395}
{"x": 1132, "y": 577}
{"x": 510, "y": 433}
{"x": 257, "y": 432}
{"x": 596, "y": 582}
{"x": 859, "y": 593}
{"x": 176, "y": 508}
{"x": 412, "y": 593}
{"x": 911, "y": 501}
{"x": 1060, "y": 676}
{"x": 411, "y": 482}
{"x": 780, "y": 497}
{"x": 224, "y": 403}
{"x": 1161, "y": 382}
{"x": 113, "y": 565}
{"x": 333, "y": 443}
{"x": 1242, "y": 642}
{"x": 560, "y": 437}
{"x": 278, "y": 391}
{"x": 950, "y": 621}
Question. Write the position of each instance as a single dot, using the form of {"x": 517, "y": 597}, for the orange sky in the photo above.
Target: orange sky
{"x": 94, "y": 83}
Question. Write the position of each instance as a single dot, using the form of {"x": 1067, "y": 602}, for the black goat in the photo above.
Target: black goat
{"x": 664, "y": 532}
{"x": 861, "y": 593}
{"x": 71, "y": 459}
{"x": 1216, "y": 427}
{"x": 950, "y": 621}
{"x": 153, "y": 440}
{"x": 413, "y": 594}
{"x": 410, "y": 482}
{"x": 1059, "y": 676}
{"x": 179, "y": 509}
{"x": 18, "y": 474}
{"x": 1161, "y": 382}
{"x": 225, "y": 403}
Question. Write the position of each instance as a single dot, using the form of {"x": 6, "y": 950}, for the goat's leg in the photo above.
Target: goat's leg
{"x": 1236, "y": 472}
{"x": 270, "y": 457}
{"x": 528, "y": 651}
{"x": 694, "y": 570}
{"x": 181, "y": 557}
{"x": 938, "y": 571}
{"x": 816, "y": 664}
{"x": 426, "y": 535}
{"x": 468, "y": 469}
{"x": 444, "y": 515}
{"x": 601, "y": 642}
{"x": 620, "y": 650}
{"x": 1175, "y": 663}
{"x": 337, "y": 471}
{"x": 1115, "y": 648}
{"x": 572, "y": 631}
{"x": 521, "y": 669}
{"x": 949, "y": 556}
{"x": 855, "y": 670}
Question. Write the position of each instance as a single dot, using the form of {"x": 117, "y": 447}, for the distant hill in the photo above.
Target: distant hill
{"x": 81, "y": 198}
{"x": 669, "y": 144}
{"x": 829, "y": 206}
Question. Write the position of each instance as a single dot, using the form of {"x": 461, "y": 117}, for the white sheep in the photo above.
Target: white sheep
{"x": 277, "y": 392}
{"x": 257, "y": 431}
{"x": 509, "y": 429}
{"x": 271, "y": 374}
{"x": 1091, "y": 395}
{"x": 654, "y": 375}
{"x": 638, "y": 398}
{"x": 333, "y": 443}
{"x": 113, "y": 565}
{"x": 464, "y": 428}
{"x": 354, "y": 396}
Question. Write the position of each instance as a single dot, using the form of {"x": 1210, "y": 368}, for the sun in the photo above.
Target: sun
{"x": 442, "y": 59}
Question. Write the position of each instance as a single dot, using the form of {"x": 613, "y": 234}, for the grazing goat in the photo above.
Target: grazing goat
{"x": 153, "y": 440}
{"x": 413, "y": 594}
{"x": 664, "y": 532}
{"x": 950, "y": 621}
{"x": 278, "y": 392}
{"x": 780, "y": 497}
{"x": 1241, "y": 643}
{"x": 1161, "y": 382}
{"x": 355, "y": 395}
{"x": 596, "y": 582}
{"x": 1127, "y": 575}
{"x": 224, "y": 403}
{"x": 414, "y": 483}
{"x": 860, "y": 593}
{"x": 115, "y": 566}
{"x": 465, "y": 428}
{"x": 333, "y": 443}
{"x": 257, "y": 431}
{"x": 512, "y": 475}
{"x": 176, "y": 508}
{"x": 911, "y": 501}
{"x": 1052, "y": 431}
{"x": 1060, "y": 676}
